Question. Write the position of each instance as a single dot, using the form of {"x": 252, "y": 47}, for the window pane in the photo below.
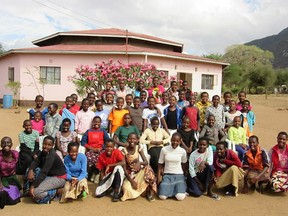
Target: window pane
{"x": 50, "y": 75}
{"x": 207, "y": 81}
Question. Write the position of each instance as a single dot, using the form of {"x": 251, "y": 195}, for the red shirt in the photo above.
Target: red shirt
{"x": 103, "y": 160}
{"x": 8, "y": 168}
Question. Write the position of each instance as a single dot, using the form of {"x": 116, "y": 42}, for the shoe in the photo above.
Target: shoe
{"x": 150, "y": 198}
{"x": 215, "y": 197}
{"x": 116, "y": 197}
{"x": 96, "y": 179}
{"x": 93, "y": 177}
{"x": 84, "y": 195}
{"x": 229, "y": 193}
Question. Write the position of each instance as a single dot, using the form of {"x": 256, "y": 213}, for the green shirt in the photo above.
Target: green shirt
{"x": 122, "y": 132}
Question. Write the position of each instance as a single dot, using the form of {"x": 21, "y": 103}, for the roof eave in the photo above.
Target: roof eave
{"x": 113, "y": 52}
{"x": 35, "y": 42}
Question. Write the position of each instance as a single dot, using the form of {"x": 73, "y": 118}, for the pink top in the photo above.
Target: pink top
{"x": 38, "y": 126}
{"x": 152, "y": 92}
{"x": 83, "y": 121}
{"x": 239, "y": 106}
{"x": 8, "y": 168}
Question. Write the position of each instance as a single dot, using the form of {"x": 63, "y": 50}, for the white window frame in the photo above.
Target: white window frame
{"x": 207, "y": 81}
{"x": 50, "y": 75}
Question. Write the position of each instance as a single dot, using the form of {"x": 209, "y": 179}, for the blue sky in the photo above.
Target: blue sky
{"x": 206, "y": 26}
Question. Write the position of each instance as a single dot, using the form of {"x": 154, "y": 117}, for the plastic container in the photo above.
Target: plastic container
{"x": 7, "y": 101}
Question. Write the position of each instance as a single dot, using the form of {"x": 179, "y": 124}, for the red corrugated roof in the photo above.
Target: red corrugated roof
{"x": 121, "y": 49}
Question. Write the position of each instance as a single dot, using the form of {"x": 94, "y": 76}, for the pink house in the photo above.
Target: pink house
{"x": 56, "y": 57}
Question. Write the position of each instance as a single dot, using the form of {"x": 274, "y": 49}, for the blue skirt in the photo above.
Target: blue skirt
{"x": 172, "y": 184}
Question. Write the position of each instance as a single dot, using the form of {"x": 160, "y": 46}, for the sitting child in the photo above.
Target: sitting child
{"x": 29, "y": 147}
{"x": 255, "y": 165}
{"x": 111, "y": 171}
{"x": 93, "y": 140}
{"x": 139, "y": 175}
{"x": 76, "y": 167}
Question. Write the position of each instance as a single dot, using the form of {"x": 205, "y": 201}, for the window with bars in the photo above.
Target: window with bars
{"x": 50, "y": 75}
{"x": 11, "y": 74}
{"x": 207, "y": 81}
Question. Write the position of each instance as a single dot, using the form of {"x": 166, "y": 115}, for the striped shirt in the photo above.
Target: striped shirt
{"x": 29, "y": 139}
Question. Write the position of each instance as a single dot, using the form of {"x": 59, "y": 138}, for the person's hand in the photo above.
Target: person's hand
{"x": 35, "y": 156}
{"x": 107, "y": 170}
{"x": 221, "y": 160}
{"x": 136, "y": 167}
{"x": 31, "y": 191}
{"x": 201, "y": 166}
{"x": 189, "y": 150}
{"x": 134, "y": 185}
{"x": 215, "y": 179}
{"x": 30, "y": 175}
{"x": 96, "y": 150}
{"x": 254, "y": 180}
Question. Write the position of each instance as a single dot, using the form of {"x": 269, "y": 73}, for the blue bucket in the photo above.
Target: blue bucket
{"x": 7, "y": 101}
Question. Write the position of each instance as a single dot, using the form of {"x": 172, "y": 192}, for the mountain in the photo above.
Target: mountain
{"x": 278, "y": 45}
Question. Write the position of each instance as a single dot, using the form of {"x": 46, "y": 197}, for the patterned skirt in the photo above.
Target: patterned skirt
{"x": 279, "y": 181}
{"x": 92, "y": 157}
{"x": 73, "y": 192}
{"x": 144, "y": 178}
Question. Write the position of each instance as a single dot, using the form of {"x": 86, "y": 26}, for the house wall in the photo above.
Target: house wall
{"x": 30, "y": 87}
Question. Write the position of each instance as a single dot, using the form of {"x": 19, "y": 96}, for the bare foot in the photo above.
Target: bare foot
{"x": 245, "y": 190}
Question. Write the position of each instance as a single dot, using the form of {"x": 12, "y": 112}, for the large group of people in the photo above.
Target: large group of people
{"x": 129, "y": 142}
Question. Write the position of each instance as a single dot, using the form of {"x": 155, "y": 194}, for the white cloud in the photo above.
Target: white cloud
{"x": 206, "y": 26}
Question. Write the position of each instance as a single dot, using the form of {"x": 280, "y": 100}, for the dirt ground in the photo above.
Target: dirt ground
{"x": 271, "y": 118}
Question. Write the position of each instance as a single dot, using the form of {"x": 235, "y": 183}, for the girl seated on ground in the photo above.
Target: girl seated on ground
{"x": 111, "y": 171}
{"x": 255, "y": 165}
{"x": 155, "y": 137}
{"x": 279, "y": 164}
{"x": 139, "y": 175}
{"x": 46, "y": 174}
{"x": 228, "y": 171}
{"x": 93, "y": 140}
{"x": 64, "y": 137}
{"x": 9, "y": 184}
{"x": 76, "y": 167}
{"x": 201, "y": 171}
{"x": 171, "y": 171}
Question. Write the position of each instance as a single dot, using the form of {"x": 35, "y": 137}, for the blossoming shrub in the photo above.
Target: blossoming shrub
{"x": 93, "y": 79}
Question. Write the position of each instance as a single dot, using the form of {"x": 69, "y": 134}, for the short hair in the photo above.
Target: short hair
{"x": 98, "y": 101}
{"x": 90, "y": 93}
{"x": 202, "y": 93}
{"x": 214, "y": 96}
{"x": 133, "y": 133}
{"x": 49, "y": 138}
{"x": 85, "y": 99}
{"x": 129, "y": 95}
{"x": 38, "y": 96}
{"x": 109, "y": 141}
{"x": 176, "y": 135}
{"x": 150, "y": 97}
{"x": 26, "y": 120}
{"x": 254, "y": 137}
{"x": 97, "y": 117}
{"x": 246, "y": 101}
{"x": 136, "y": 98}
{"x": 143, "y": 91}
{"x": 203, "y": 139}
{"x": 222, "y": 143}
{"x": 227, "y": 93}
{"x": 55, "y": 105}
{"x": 155, "y": 118}
{"x": 120, "y": 98}
{"x": 38, "y": 112}
{"x": 72, "y": 144}
{"x": 172, "y": 82}
{"x": 282, "y": 133}
{"x": 66, "y": 120}
{"x": 241, "y": 92}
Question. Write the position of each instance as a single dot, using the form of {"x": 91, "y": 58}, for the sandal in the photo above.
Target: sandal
{"x": 215, "y": 197}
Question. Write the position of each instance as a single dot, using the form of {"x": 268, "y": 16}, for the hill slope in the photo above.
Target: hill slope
{"x": 278, "y": 44}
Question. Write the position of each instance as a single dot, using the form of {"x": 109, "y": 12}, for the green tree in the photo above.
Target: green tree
{"x": 1, "y": 49}
{"x": 215, "y": 56}
{"x": 281, "y": 77}
{"x": 245, "y": 63}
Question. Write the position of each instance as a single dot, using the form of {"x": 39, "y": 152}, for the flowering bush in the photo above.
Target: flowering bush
{"x": 93, "y": 79}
